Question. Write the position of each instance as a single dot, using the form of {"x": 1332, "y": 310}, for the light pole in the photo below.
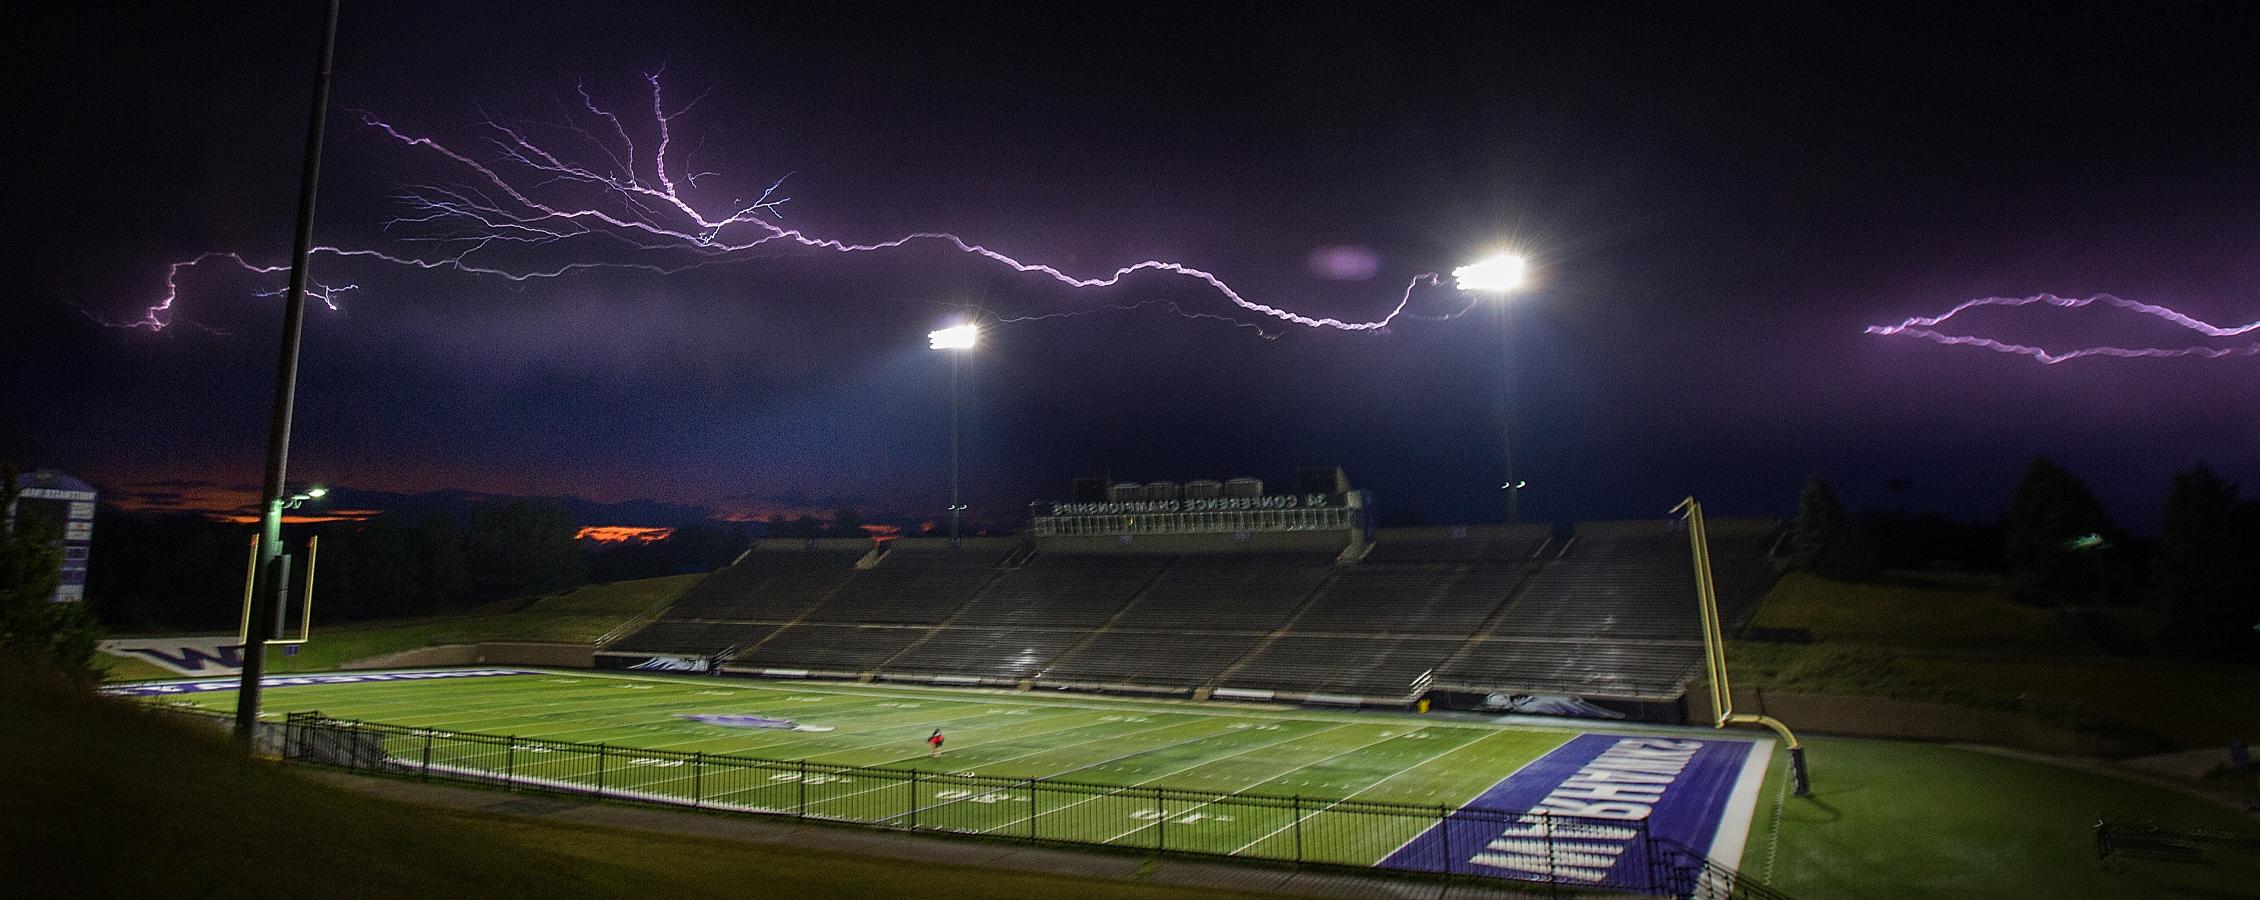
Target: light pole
{"x": 1499, "y": 275}
{"x": 956, "y": 339}
{"x": 267, "y": 593}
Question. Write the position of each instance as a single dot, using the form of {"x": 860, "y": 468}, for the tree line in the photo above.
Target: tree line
{"x": 2057, "y": 545}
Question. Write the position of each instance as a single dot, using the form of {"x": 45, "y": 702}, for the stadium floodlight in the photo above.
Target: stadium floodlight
{"x": 955, "y": 337}
{"x": 1500, "y": 274}
{"x": 959, "y": 338}
{"x": 1495, "y": 274}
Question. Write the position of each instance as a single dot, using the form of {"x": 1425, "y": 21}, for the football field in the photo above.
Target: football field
{"x": 1359, "y": 788}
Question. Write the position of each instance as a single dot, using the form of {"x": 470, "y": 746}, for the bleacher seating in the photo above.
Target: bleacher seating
{"x": 829, "y": 648}
{"x": 1063, "y": 591}
{"x": 1615, "y": 615}
{"x": 1227, "y": 592}
{"x": 984, "y": 652}
{"x": 1609, "y": 613}
{"x": 767, "y": 586}
{"x": 672, "y": 636}
{"x": 1410, "y": 599}
{"x": 1372, "y": 667}
{"x": 915, "y": 584}
{"x": 1158, "y": 658}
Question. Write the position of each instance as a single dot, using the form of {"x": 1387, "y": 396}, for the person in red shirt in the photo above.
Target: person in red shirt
{"x": 936, "y": 742}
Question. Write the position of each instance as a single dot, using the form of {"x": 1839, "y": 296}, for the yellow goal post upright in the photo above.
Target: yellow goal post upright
{"x": 1714, "y": 652}
{"x": 306, "y": 606}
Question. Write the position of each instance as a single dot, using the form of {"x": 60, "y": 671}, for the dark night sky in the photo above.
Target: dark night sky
{"x": 1716, "y": 202}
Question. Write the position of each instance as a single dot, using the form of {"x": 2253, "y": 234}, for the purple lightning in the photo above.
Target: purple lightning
{"x": 514, "y": 200}
{"x": 1924, "y": 327}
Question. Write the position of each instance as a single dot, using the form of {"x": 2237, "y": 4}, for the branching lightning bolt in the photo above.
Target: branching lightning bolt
{"x": 513, "y": 200}
{"x": 1926, "y": 328}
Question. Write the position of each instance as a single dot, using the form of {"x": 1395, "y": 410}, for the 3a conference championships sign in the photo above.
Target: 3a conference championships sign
{"x": 1206, "y": 504}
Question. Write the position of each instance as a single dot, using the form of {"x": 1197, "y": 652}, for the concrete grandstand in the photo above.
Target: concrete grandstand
{"x": 1270, "y": 602}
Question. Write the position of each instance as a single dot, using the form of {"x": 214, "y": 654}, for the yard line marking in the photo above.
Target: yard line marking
{"x": 1037, "y": 752}
{"x": 1361, "y": 748}
{"x": 1353, "y": 794}
{"x": 573, "y": 705}
{"x": 1078, "y": 712}
{"x": 783, "y": 738}
{"x": 1533, "y": 760}
{"x": 1012, "y": 697}
{"x": 1045, "y": 750}
{"x": 1117, "y": 791}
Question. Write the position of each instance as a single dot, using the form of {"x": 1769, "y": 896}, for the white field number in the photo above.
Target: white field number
{"x": 1148, "y": 815}
{"x": 983, "y": 797}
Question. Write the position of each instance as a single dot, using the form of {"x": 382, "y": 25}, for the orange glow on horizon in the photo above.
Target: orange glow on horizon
{"x": 623, "y": 534}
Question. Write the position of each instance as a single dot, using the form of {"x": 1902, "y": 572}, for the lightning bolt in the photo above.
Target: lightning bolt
{"x": 1926, "y": 328}
{"x": 629, "y": 201}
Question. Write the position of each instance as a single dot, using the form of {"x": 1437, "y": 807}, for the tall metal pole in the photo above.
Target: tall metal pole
{"x": 267, "y": 598}
{"x": 1714, "y": 652}
{"x": 957, "y": 506}
{"x": 1507, "y": 404}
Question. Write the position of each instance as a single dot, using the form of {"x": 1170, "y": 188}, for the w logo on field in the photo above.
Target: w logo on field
{"x": 186, "y": 655}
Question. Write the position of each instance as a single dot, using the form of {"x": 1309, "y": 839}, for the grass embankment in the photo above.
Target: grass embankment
{"x": 102, "y": 800}
{"x": 577, "y": 616}
{"x": 1964, "y": 640}
{"x": 1897, "y": 820}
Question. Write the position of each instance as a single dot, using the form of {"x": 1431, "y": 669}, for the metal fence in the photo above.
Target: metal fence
{"x": 1506, "y": 848}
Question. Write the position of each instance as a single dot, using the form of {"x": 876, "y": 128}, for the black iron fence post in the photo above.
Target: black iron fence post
{"x": 1161, "y": 822}
{"x": 1032, "y": 809}
{"x": 600, "y": 770}
{"x": 1297, "y": 811}
{"x": 1444, "y": 836}
{"x": 913, "y": 814}
{"x": 800, "y": 809}
{"x": 698, "y": 779}
{"x": 427, "y": 754}
{"x": 510, "y": 763}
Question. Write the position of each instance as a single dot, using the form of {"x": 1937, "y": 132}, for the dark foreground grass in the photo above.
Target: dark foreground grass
{"x": 1898, "y": 820}
{"x": 101, "y": 800}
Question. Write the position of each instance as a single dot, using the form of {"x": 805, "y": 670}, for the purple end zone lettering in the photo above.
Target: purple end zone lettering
{"x": 160, "y": 689}
{"x": 1612, "y": 784}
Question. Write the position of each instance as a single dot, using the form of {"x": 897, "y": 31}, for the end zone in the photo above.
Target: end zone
{"x": 1698, "y": 793}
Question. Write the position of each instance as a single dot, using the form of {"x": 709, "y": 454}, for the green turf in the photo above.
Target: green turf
{"x": 1126, "y": 748}
{"x": 101, "y": 800}
{"x": 1902, "y": 820}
